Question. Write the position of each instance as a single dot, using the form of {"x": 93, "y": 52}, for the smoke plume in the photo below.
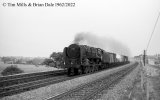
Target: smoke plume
{"x": 107, "y": 44}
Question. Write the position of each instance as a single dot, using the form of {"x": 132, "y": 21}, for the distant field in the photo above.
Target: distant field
{"x": 28, "y": 68}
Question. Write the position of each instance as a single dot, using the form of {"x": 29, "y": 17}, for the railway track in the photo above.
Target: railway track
{"x": 20, "y": 83}
{"x": 89, "y": 90}
{"x": 23, "y": 78}
{"x": 14, "y": 84}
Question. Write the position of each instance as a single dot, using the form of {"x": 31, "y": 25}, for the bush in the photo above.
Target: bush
{"x": 48, "y": 62}
{"x": 10, "y": 70}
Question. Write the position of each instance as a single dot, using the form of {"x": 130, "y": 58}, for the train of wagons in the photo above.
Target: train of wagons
{"x": 82, "y": 59}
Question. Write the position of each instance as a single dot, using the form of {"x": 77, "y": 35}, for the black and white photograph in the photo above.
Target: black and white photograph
{"x": 79, "y": 50}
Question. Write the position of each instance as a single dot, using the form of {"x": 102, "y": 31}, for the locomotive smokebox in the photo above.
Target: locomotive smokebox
{"x": 73, "y": 51}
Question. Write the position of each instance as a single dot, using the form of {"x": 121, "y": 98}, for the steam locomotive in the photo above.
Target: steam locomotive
{"x": 82, "y": 59}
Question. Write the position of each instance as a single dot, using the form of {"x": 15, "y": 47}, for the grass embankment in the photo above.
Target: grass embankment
{"x": 135, "y": 92}
{"x": 155, "y": 83}
{"x": 146, "y": 89}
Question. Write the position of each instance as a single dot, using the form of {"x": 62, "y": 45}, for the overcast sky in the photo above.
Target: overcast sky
{"x": 39, "y": 31}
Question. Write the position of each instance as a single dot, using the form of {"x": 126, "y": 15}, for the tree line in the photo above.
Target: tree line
{"x": 54, "y": 60}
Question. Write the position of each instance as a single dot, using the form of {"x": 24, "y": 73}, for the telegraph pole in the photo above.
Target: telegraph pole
{"x": 142, "y": 71}
{"x": 147, "y": 84}
{"x": 144, "y": 76}
{"x": 144, "y": 57}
